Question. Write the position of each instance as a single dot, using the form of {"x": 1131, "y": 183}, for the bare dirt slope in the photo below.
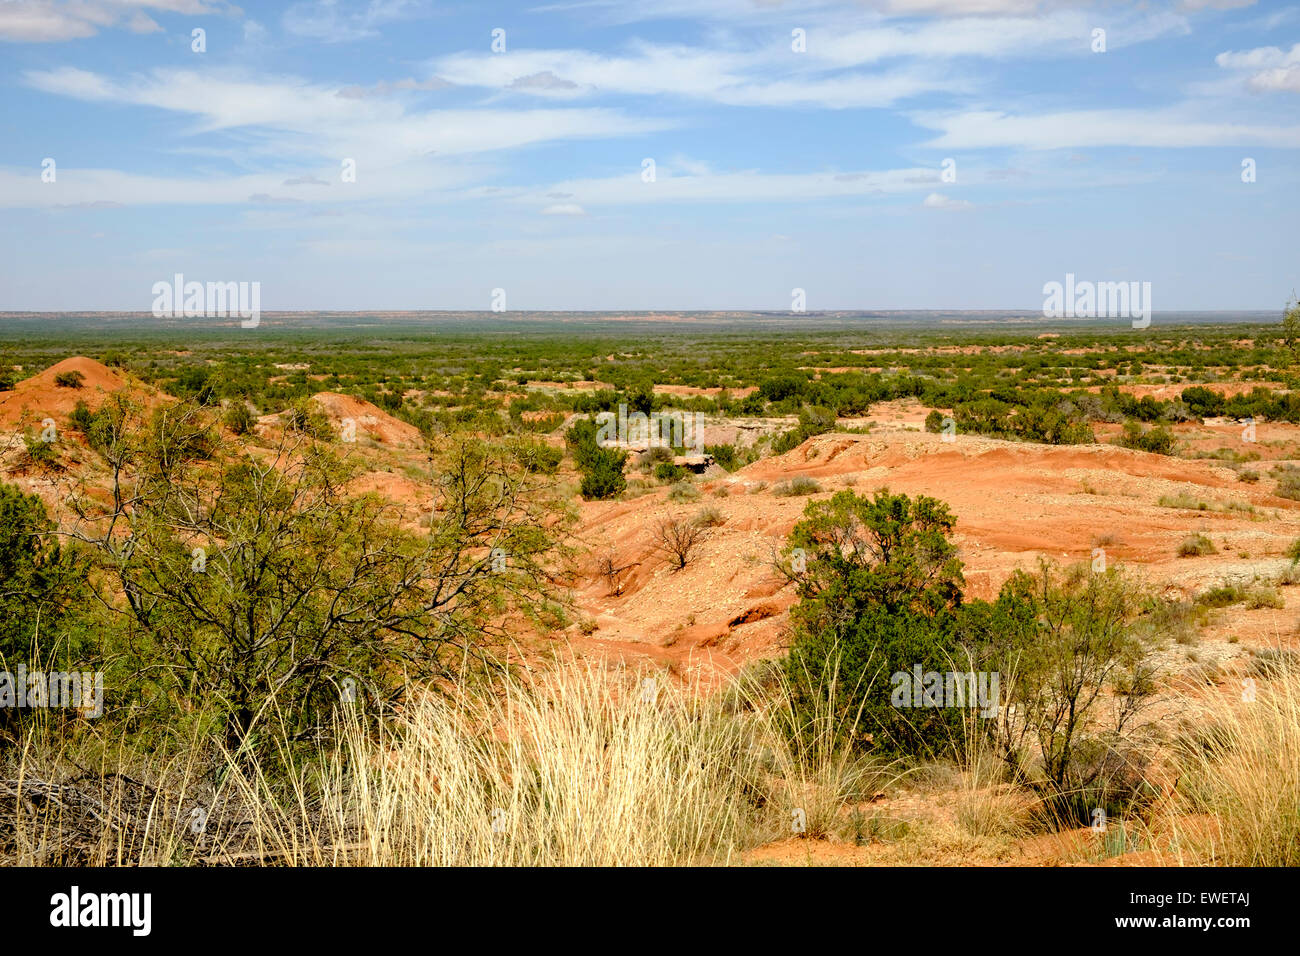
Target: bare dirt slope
{"x": 34, "y": 399}
{"x": 357, "y": 420}
{"x": 1014, "y": 502}
{"x": 370, "y": 421}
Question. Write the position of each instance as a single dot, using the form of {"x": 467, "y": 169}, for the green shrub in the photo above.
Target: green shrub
{"x": 1288, "y": 485}
{"x": 709, "y": 517}
{"x": 303, "y": 417}
{"x": 1158, "y": 440}
{"x": 1263, "y": 597}
{"x": 602, "y": 478}
{"x": 601, "y": 468}
{"x": 879, "y": 584}
{"x": 1082, "y": 643}
{"x": 1222, "y": 595}
{"x": 1195, "y": 546}
{"x": 683, "y": 491}
{"x": 69, "y": 379}
{"x": 815, "y": 420}
{"x": 43, "y": 582}
{"x": 239, "y": 418}
{"x": 1202, "y": 402}
{"x": 795, "y": 487}
{"x": 666, "y": 471}
{"x": 538, "y": 457}
{"x": 724, "y": 455}
{"x": 37, "y": 451}
{"x": 81, "y": 418}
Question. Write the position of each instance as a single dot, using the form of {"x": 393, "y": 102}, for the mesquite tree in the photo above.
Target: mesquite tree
{"x": 254, "y": 578}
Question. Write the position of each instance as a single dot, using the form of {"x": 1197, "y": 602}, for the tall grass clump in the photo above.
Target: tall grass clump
{"x": 1243, "y": 769}
{"x": 582, "y": 767}
{"x": 811, "y": 775}
{"x": 579, "y": 765}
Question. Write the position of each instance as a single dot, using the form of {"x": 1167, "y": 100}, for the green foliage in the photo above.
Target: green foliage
{"x": 724, "y": 455}
{"x": 1080, "y": 643}
{"x": 81, "y": 418}
{"x": 1158, "y": 440}
{"x": 603, "y": 479}
{"x": 69, "y": 379}
{"x": 601, "y": 468}
{"x": 303, "y": 417}
{"x": 1038, "y": 418}
{"x": 782, "y": 387}
{"x": 252, "y": 592}
{"x": 1291, "y": 326}
{"x": 1221, "y": 595}
{"x": 38, "y": 451}
{"x": 1195, "y": 546}
{"x": 812, "y": 421}
{"x": 880, "y": 600}
{"x": 538, "y": 457}
{"x": 796, "y": 487}
{"x": 239, "y": 418}
{"x": 41, "y": 582}
{"x": 880, "y": 592}
{"x": 667, "y": 472}
{"x": 889, "y": 549}
{"x": 1203, "y": 402}
{"x": 196, "y": 383}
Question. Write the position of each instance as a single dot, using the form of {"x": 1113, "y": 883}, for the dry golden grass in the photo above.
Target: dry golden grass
{"x": 1243, "y": 769}
{"x": 581, "y": 766}
{"x": 585, "y": 765}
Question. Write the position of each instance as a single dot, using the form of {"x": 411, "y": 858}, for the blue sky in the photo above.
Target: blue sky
{"x": 775, "y": 168}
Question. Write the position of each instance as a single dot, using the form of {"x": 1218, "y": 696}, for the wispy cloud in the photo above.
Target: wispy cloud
{"x": 303, "y": 118}
{"x": 1177, "y": 127}
{"x": 332, "y": 21}
{"x": 51, "y": 21}
{"x": 1267, "y": 69}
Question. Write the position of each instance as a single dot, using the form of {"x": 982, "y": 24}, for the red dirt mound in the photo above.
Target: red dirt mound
{"x": 370, "y": 421}
{"x": 1014, "y": 503}
{"x": 38, "y": 397}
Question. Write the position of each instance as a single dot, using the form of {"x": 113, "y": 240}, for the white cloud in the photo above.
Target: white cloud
{"x": 909, "y": 8}
{"x": 729, "y": 78}
{"x": 564, "y": 209}
{"x": 333, "y": 22}
{"x": 1089, "y": 128}
{"x": 1274, "y": 70}
{"x": 384, "y": 88}
{"x": 940, "y": 201}
{"x": 830, "y": 74}
{"x": 296, "y": 117}
{"x": 99, "y": 187}
{"x": 683, "y": 181}
{"x": 1258, "y": 58}
{"x": 1271, "y": 81}
{"x": 546, "y": 80}
{"x": 398, "y": 152}
{"x": 1063, "y": 32}
{"x": 143, "y": 23}
{"x": 1216, "y": 4}
{"x": 50, "y": 21}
